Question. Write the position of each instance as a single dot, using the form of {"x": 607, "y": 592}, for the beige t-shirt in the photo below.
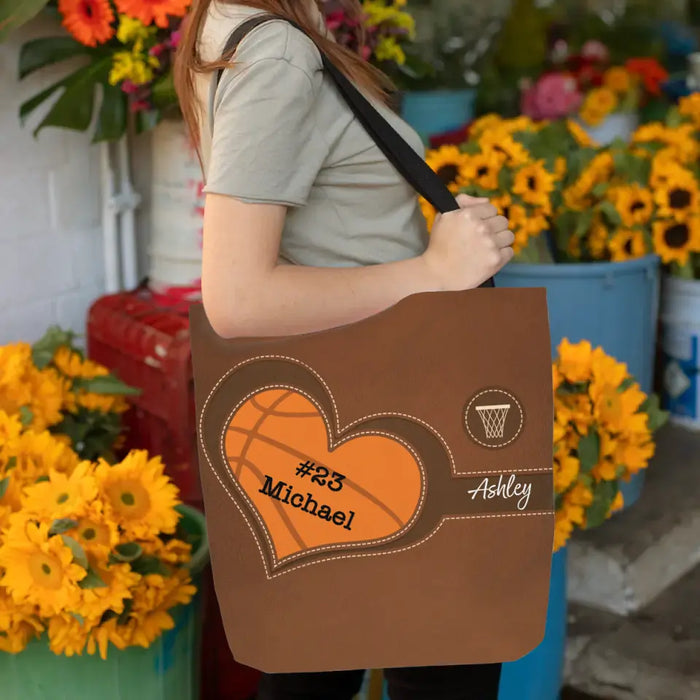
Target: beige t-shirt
{"x": 277, "y": 131}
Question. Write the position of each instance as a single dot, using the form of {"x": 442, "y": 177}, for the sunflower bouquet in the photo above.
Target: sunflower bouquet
{"x": 91, "y": 554}
{"x": 603, "y": 434}
{"x": 51, "y": 386}
{"x": 126, "y": 47}
{"x": 519, "y": 165}
{"x": 627, "y": 201}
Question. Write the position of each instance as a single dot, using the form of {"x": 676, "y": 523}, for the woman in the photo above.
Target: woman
{"x": 308, "y": 226}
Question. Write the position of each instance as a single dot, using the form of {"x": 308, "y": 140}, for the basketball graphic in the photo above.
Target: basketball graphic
{"x": 494, "y": 418}
{"x": 311, "y": 490}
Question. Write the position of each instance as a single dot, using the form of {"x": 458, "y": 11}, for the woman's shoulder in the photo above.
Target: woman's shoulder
{"x": 273, "y": 40}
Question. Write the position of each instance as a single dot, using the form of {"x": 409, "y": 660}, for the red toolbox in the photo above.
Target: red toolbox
{"x": 147, "y": 344}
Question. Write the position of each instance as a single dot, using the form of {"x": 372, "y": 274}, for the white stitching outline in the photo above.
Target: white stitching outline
{"x": 333, "y": 446}
{"x": 270, "y": 575}
{"x": 490, "y": 391}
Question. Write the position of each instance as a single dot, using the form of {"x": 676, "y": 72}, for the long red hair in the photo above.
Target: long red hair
{"x": 188, "y": 62}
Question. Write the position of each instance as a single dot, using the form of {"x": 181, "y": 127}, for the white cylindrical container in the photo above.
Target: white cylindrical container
{"x": 680, "y": 316}
{"x": 619, "y": 125}
{"x": 176, "y": 210}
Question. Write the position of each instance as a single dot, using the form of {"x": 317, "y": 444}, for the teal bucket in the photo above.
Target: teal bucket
{"x": 611, "y": 304}
{"x": 167, "y": 670}
{"x": 540, "y": 674}
{"x": 433, "y": 112}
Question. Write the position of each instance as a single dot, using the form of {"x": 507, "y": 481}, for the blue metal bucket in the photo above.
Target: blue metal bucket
{"x": 611, "y": 304}
{"x": 432, "y": 112}
{"x": 540, "y": 674}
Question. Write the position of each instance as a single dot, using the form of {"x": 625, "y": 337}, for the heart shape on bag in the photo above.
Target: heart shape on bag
{"x": 311, "y": 491}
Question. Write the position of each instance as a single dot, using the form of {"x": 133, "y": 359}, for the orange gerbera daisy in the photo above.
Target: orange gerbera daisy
{"x": 89, "y": 21}
{"x": 153, "y": 11}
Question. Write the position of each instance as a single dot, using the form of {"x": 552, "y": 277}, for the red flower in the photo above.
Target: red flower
{"x": 652, "y": 73}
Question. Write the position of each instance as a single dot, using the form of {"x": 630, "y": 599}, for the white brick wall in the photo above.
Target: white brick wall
{"x": 51, "y": 264}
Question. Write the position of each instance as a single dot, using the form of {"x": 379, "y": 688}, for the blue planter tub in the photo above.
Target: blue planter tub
{"x": 540, "y": 674}
{"x": 433, "y": 112}
{"x": 611, "y": 304}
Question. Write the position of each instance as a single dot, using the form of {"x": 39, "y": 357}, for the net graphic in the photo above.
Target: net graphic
{"x": 493, "y": 418}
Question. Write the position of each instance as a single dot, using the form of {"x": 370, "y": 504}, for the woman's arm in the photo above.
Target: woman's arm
{"x": 246, "y": 292}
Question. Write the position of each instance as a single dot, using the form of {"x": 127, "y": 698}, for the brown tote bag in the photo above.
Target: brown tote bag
{"x": 380, "y": 494}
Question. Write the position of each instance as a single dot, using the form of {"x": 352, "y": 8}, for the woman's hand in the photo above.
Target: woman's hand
{"x": 468, "y": 246}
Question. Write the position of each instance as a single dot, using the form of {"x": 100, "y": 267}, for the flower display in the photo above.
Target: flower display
{"x": 378, "y": 34}
{"x": 603, "y": 434}
{"x": 587, "y": 86}
{"x": 91, "y": 554}
{"x": 626, "y": 201}
{"x": 51, "y": 385}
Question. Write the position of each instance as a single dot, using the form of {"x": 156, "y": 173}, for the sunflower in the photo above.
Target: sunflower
{"x": 674, "y": 241}
{"x": 89, "y": 21}
{"x": 634, "y": 203}
{"x": 534, "y": 183}
{"x": 97, "y": 534}
{"x": 154, "y": 598}
{"x": 448, "y": 163}
{"x": 575, "y": 360}
{"x": 599, "y": 103}
{"x": 679, "y": 196}
{"x": 153, "y": 11}
{"x": 627, "y": 244}
{"x": 635, "y": 454}
{"x": 39, "y": 570}
{"x": 429, "y": 212}
{"x": 501, "y": 142}
{"x": 482, "y": 169}
{"x": 690, "y": 107}
{"x": 67, "y": 635}
{"x": 530, "y": 225}
{"x": 172, "y": 552}
{"x": 138, "y": 495}
{"x": 617, "y": 79}
{"x": 119, "y": 581}
{"x": 483, "y": 124}
{"x": 579, "y": 134}
{"x": 63, "y": 495}
{"x": 566, "y": 471}
{"x": 18, "y": 624}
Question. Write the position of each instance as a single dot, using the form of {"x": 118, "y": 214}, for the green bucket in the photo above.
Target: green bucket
{"x": 167, "y": 670}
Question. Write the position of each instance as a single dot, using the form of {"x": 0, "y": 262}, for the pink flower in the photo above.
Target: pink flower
{"x": 595, "y": 50}
{"x": 555, "y": 95}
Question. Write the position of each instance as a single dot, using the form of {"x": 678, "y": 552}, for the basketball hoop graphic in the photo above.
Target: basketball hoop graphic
{"x": 494, "y": 419}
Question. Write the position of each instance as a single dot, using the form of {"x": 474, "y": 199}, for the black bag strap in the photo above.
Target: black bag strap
{"x": 408, "y": 163}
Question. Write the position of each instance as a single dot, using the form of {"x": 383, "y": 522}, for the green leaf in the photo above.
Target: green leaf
{"x": 25, "y": 415}
{"x": 39, "y": 53}
{"x": 15, "y": 13}
{"x": 163, "y": 92}
{"x": 11, "y": 463}
{"x": 627, "y": 383}
{"x": 79, "y": 555}
{"x": 610, "y": 213}
{"x": 589, "y": 450}
{"x": 41, "y": 479}
{"x": 111, "y": 120}
{"x": 147, "y": 120}
{"x": 505, "y": 180}
{"x": 78, "y": 617}
{"x": 58, "y": 527}
{"x": 74, "y": 108}
{"x": 26, "y": 108}
{"x": 45, "y": 348}
{"x": 107, "y": 384}
{"x": 126, "y": 553}
{"x": 657, "y": 417}
{"x": 92, "y": 580}
{"x": 584, "y": 221}
{"x": 148, "y": 564}
{"x": 603, "y": 497}
{"x": 128, "y": 607}
{"x": 4, "y": 485}
{"x": 600, "y": 189}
